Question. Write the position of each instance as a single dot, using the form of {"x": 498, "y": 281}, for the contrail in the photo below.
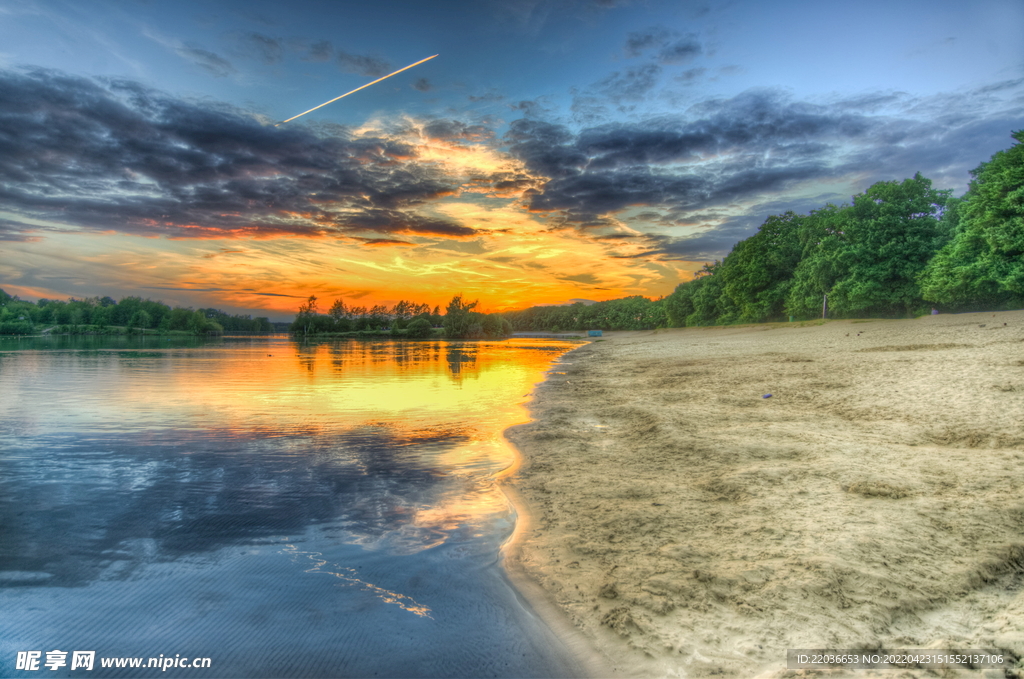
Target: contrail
{"x": 354, "y": 91}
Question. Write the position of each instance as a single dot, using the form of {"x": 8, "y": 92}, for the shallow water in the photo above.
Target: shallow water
{"x": 282, "y": 509}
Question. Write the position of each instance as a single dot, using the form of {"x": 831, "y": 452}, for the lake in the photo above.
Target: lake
{"x": 283, "y": 509}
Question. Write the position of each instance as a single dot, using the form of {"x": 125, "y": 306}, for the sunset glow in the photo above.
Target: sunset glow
{"x": 550, "y": 153}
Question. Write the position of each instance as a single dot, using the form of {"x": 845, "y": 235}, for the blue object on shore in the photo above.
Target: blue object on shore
{"x": 593, "y": 333}
{"x": 767, "y": 396}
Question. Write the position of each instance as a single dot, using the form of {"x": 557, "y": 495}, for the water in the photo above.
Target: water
{"x": 285, "y": 510}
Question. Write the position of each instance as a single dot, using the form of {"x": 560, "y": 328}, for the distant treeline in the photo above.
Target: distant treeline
{"x": 627, "y": 313}
{"x": 405, "y": 319}
{"x": 131, "y": 315}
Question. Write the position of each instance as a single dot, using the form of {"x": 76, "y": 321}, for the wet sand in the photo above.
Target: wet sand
{"x": 681, "y": 524}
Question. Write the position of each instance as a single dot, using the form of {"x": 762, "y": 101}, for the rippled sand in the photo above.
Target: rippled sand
{"x": 688, "y": 526}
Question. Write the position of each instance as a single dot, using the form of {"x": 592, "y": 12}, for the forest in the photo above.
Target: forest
{"x": 104, "y": 316}
{"x": 900, "y": 249}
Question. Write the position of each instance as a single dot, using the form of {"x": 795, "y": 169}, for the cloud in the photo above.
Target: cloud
{"x": 490, "y": 95}
{"x": 421, "y": 84}
{"x": 691, "y": 76}
{"x": 260, "y": 47}
{"x": 639, "y": 42}
{"x": 680, "y": 51}
{"x": 383, "y": 242}
{"x": 248, "y": 291}
{"x": 669, "y": 47}
{"x": 630, "y": 85}
{"x": 319, "y": 51}
{"x": 730, "y": 153}
{"x": 17, "y": 232}
{"x": 212, "y": 63}
{"x": 120, "y": 156}
{"x": 585, "y": 278}
{"x": 448, "y": 130}
{"x": 363, "y": 64}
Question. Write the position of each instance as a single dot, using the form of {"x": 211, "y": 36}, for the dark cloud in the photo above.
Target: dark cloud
{"x": 638, "y": 42}
{"x": 443, "y": 129}
{"x": 208, "y": 61}
{"x": 731, "y": 152}
{"x": 630, "y": 85}
{"x": 421, "y": 84}
{"x": 691, "y": 76}
{"x": 585, "y": 278}
{"x": 680, "y": 51}
{"x": 383, "y": 242}
{"x": 669, "y": 47}
{"x": 545, "y": 148}
{"x": 1000, "y": 86}
{"x": 319, "y": 51}
{"x": 533, "y": 108}
{"x": 260, "y": 47}
{"x": 363, "y": 64}
{"x": 124, "y": 157}
{"x": 17, "y": 232}
{"x": 489, "y": 95}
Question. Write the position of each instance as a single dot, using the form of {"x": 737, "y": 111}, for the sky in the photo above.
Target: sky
{"x": 554, "y": 150}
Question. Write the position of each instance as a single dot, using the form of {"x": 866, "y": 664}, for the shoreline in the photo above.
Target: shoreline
{"x": 586, "y": 658}
{"x": 686, "y": 525}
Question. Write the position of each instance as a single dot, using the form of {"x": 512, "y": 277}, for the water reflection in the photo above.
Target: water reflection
{"x": 357, "y": 477}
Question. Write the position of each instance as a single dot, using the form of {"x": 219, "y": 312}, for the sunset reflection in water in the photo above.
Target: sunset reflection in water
{"x": 357, "y": 477}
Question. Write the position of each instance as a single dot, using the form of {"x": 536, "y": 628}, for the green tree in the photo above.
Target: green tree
{"x": 822, "y": 236}
{"x": 419, "y": 328}
{"x": 305, "y": 318}
{"x": 140, "y": 319}
{"x": 338, "y": 310}
{"x": 893, "y": 233}
{"x": 758, "y": 274}
{"x": 982, "y": 267}
{"x": 459, "y": 319}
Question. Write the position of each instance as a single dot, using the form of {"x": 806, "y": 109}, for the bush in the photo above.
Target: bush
{"x": 16, "y": 328}
{"x": 419, "y": 328}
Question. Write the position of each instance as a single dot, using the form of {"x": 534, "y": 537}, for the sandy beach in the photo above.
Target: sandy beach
{"x": 684, "y": 524}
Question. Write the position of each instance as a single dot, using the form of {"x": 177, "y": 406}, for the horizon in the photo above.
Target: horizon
{"x": 552, "y": 152}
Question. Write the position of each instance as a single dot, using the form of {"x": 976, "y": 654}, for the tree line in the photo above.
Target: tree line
{"x": 404, "y": 319}
{"x": 899, "y": 249}
{"x": 627, "y": 313}
{"x": 131, "y": 315}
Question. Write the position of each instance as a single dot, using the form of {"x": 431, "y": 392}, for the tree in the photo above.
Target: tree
{"x": 458, "y": 319}
{"x": 893, "y": 233}
{"x": 982, "y": 267}
{"x": 419, "y": 328}
{"x": 867, "y": 256}
{"x": 140, "y": 319}
{"x": 822, "y": 236}
{"x": 310, "y": 307}
{"x": 758, "y": 274}
{"x": 338, "y": 310}
{"x": 305, "y": 318}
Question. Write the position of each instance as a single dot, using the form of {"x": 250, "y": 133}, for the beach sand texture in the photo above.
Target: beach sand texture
{"x": 688, "y": 526}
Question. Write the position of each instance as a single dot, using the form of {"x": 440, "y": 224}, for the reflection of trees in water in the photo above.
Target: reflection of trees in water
{"x": 73, "y": 508}
{"x": 367, "y": 352}
{"x": 462, "y": 361}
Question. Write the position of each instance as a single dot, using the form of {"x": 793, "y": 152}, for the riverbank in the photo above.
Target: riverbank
{"x": 687, "y": 525}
